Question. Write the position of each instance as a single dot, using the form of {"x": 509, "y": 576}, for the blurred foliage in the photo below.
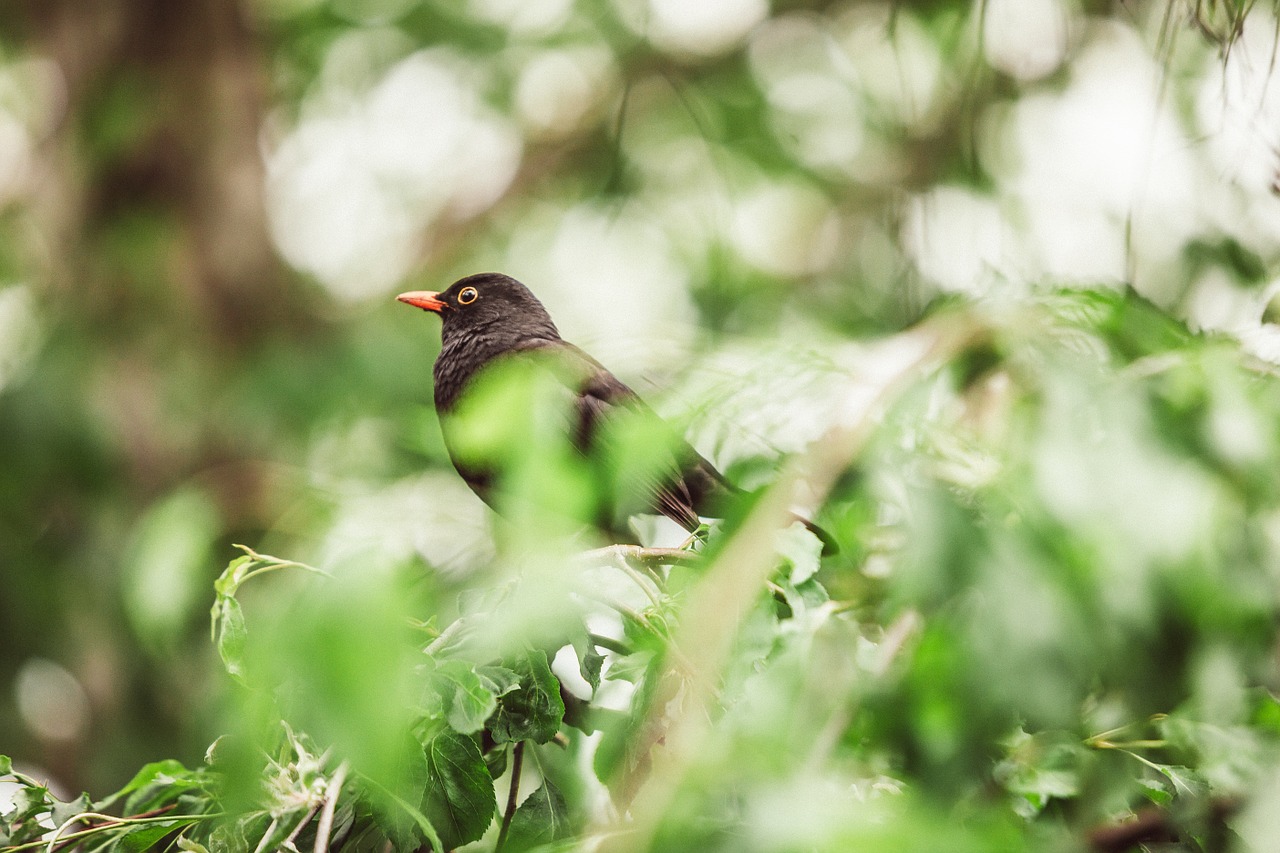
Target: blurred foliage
{"x": 996, "y": 275}
{"x": 1074, "y": 620}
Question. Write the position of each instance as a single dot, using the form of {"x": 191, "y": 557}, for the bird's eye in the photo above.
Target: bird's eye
{"x": 468, "y": 295}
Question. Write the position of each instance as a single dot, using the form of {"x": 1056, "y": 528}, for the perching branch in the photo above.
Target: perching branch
{"x": 646, "y": 556}
{"x": 719, "y": 602}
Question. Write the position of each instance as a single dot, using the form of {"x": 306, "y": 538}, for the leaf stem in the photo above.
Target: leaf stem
{"x": 609, "y": 644}
{"x": 109, "y": 822}
{"x": 517, "y": 763}
{"x": 266, "y": 836}
{"x": 287, "y": 844}
{"x": 331, "y": 792}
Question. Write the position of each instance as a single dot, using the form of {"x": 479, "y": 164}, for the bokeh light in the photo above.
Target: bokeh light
{"x": 990, "y": 286}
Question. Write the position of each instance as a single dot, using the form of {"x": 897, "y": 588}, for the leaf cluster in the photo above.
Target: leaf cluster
{"x": 1052, "y": 627}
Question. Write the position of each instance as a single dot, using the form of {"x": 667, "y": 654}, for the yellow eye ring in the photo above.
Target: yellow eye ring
{"x": 468, "y": 295}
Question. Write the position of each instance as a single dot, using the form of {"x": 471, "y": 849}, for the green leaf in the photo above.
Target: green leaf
{"x": 459, "y": 800}
{"x": 232, "y": 576}
{"x": 153, "y": 772}
{"x": 1155, "y": 791}
{"x": 165, "y": 580}
{"x": 1186, "y": 782}
{"x": 801, "y": 549}
{"x": 190, "y": 846}
{"x": 590, "y": 661}
{"x": 6, "y": 765}
{"x": 63, "y": 812}
{"x": 542, "y": 818}
{"x": 146, "y": 837}
{"x": 27, "y": 803}
{"x": 1182, "y": 782}
{"x": 535, "y": 710}
{"x": 1041, "y": 767}
{"x": 496, "y": 760}
{"x": 461, "y": 696}
{"x": 1265, "y": 716}
{"x": 232, "y": 636}
{"x": 498, "y": 679}
{"x": 1227, "y": 758}
{"x": 156, "y": 784}
{"x": 632, "y": 667}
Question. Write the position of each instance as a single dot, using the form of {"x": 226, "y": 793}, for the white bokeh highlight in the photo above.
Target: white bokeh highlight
{"x": 52, "y": 704}
{"x": 1027, "y": 39}
{"x": 354, "y": 188}
{"x": 706, "y": 27}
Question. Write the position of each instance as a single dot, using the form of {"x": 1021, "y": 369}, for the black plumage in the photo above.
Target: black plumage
{"x": 490, "y": 317}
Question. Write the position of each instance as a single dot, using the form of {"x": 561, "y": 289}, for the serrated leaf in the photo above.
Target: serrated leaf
{"x": 459, "y": 800}
{"x": 498, "y": 679}
{"x": 1185, "y": 781}
{"x": 542, "y": 818}
{"x": 28, "y": 802}
{"x": 62, "y": 812}
{"x": 461, "y": 696}
{"x": 534, "y": 710}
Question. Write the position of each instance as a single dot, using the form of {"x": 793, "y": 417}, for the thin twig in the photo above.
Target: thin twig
{"x": 68, "y": 841}
{"x": 445, "y": 637}
{"x": 108, "y": 822}
{"x": 517, "y": 762}
{"x": 647, "y": 586}
{"x": 646, "y": 556}
{"x": 330, "y": 802}
{"x": 306, "y": 819}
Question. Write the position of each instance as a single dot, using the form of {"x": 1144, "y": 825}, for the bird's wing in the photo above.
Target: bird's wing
{"x": 682, "y": 486}
{"x": 663, "y": 485}
{"x": 677, "y": 484}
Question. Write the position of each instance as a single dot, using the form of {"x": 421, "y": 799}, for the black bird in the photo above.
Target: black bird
{"x": 489, "y": 318}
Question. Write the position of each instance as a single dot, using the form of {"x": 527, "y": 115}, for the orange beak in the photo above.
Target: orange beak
{"x": 425, "y": 299}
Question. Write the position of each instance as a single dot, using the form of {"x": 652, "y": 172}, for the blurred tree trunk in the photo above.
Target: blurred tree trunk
{"x": 159, "y": 276}
{"x": 154, "y": 168}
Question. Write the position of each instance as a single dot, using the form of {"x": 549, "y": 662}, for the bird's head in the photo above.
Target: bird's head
{"x": 490, "y": 302}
